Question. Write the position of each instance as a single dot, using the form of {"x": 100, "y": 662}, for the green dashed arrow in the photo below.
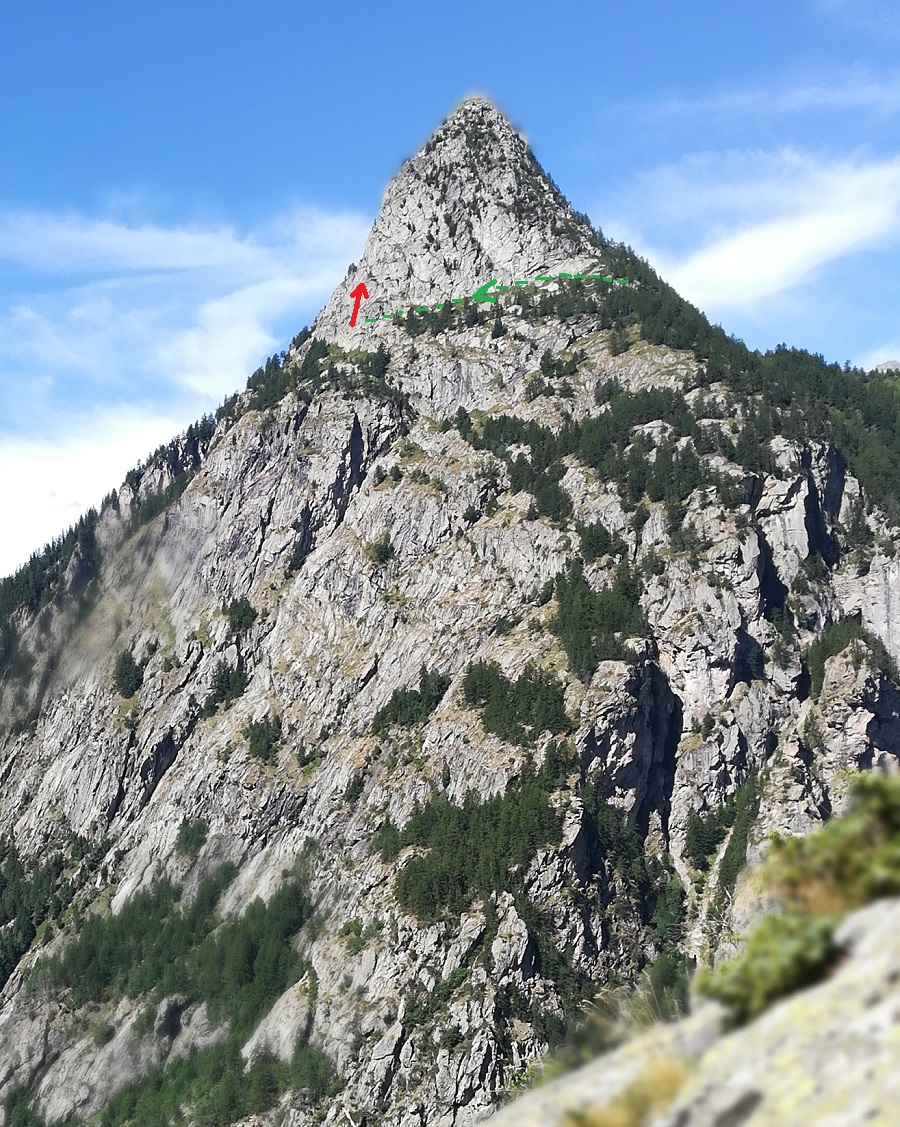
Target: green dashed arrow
{"x": 481, "y": 294}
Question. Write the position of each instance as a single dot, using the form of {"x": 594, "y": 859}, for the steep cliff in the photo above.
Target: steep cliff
{"x": 496, "y": 631}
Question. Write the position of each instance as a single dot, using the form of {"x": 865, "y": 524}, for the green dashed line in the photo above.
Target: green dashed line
{"x": 501, "y": 289}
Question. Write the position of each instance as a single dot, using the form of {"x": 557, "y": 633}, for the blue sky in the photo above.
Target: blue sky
{"x": 182, "y": 185}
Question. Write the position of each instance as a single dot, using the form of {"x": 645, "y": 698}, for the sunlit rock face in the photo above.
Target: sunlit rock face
{"x": 470, "y": 206}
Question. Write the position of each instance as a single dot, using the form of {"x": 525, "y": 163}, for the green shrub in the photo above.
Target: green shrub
{"x": 518, "y": 710}
{"x": 706, "y": 832}
{"x": 34, "y": 892}
{"x": 354, "y": 789}
{"x": 227, "y": 685}
{"x": 240, "y": 615}
{"x": 848, "y": 861}
{"x": 140, "y": 947}
{"x": 597, "y": 541}
{"x": 590, "y": 623}
{"x": 145, "y": 1020}
{"x": 18, "y": 1111}
{"x": 451, "y": 1037}
{"x": 834, "y": 639}
{"x": 784, "y": 953}
{"x": 127, "y": 674}
{"x": 352, "y": 934}
{"x": 214, "y": 1087}
{"x": 241, "y": 968}
{"x": 817, "y": 879}
{"x": 192, "y": 837}
{"x": 102, "y": 1033}
{"x": 667, "y": 919}
{"x": 380, "y": 551}
{"x": 408, "y": 707}
{"x": 263, "y": 738}
{"x": 420, "y": 1009}
{"x": 746, "y": 809}
{"x": 156, "y": 503}
{"x": 662, "y": 993}
{"x": 469, "y": 849}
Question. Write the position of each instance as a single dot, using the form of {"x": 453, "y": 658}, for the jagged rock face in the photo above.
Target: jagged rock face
{"x": 473, "y": 204}
{"x": 285, "y": 509}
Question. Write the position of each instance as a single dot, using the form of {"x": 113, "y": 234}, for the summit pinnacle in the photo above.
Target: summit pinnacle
{"x": 472, "y": 204}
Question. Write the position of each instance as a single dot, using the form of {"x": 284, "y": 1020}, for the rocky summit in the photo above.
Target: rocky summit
{"x": 454, "y": 674}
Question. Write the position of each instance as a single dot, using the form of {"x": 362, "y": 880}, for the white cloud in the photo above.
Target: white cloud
{"x": 150, "y": 308}
{"x": 886, "y": 353}
{"x": 160, "y": 322}
{"x": 58, "y": 479}
{"x": 758, "y": 225}
{"x": 60, "y": 245}
{"x": 229, "y": 334}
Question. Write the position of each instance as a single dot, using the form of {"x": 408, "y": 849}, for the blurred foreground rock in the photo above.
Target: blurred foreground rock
{"x": 827, "y": 1055}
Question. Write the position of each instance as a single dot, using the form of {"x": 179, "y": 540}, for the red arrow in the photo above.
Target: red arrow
{"x": 358, "y": 294}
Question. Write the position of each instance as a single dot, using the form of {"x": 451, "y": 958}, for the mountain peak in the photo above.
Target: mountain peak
{"x": 471, "y": 205}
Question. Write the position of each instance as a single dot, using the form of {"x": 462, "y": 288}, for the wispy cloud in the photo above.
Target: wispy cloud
{"x": 153, "y": 324}
{"x": 155, "y": 311}
{"x": 839, "y": 92}
{"x": 62, "y": 244}
{"x": 875, "y": 17}
{"x": 752, "y": 226}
